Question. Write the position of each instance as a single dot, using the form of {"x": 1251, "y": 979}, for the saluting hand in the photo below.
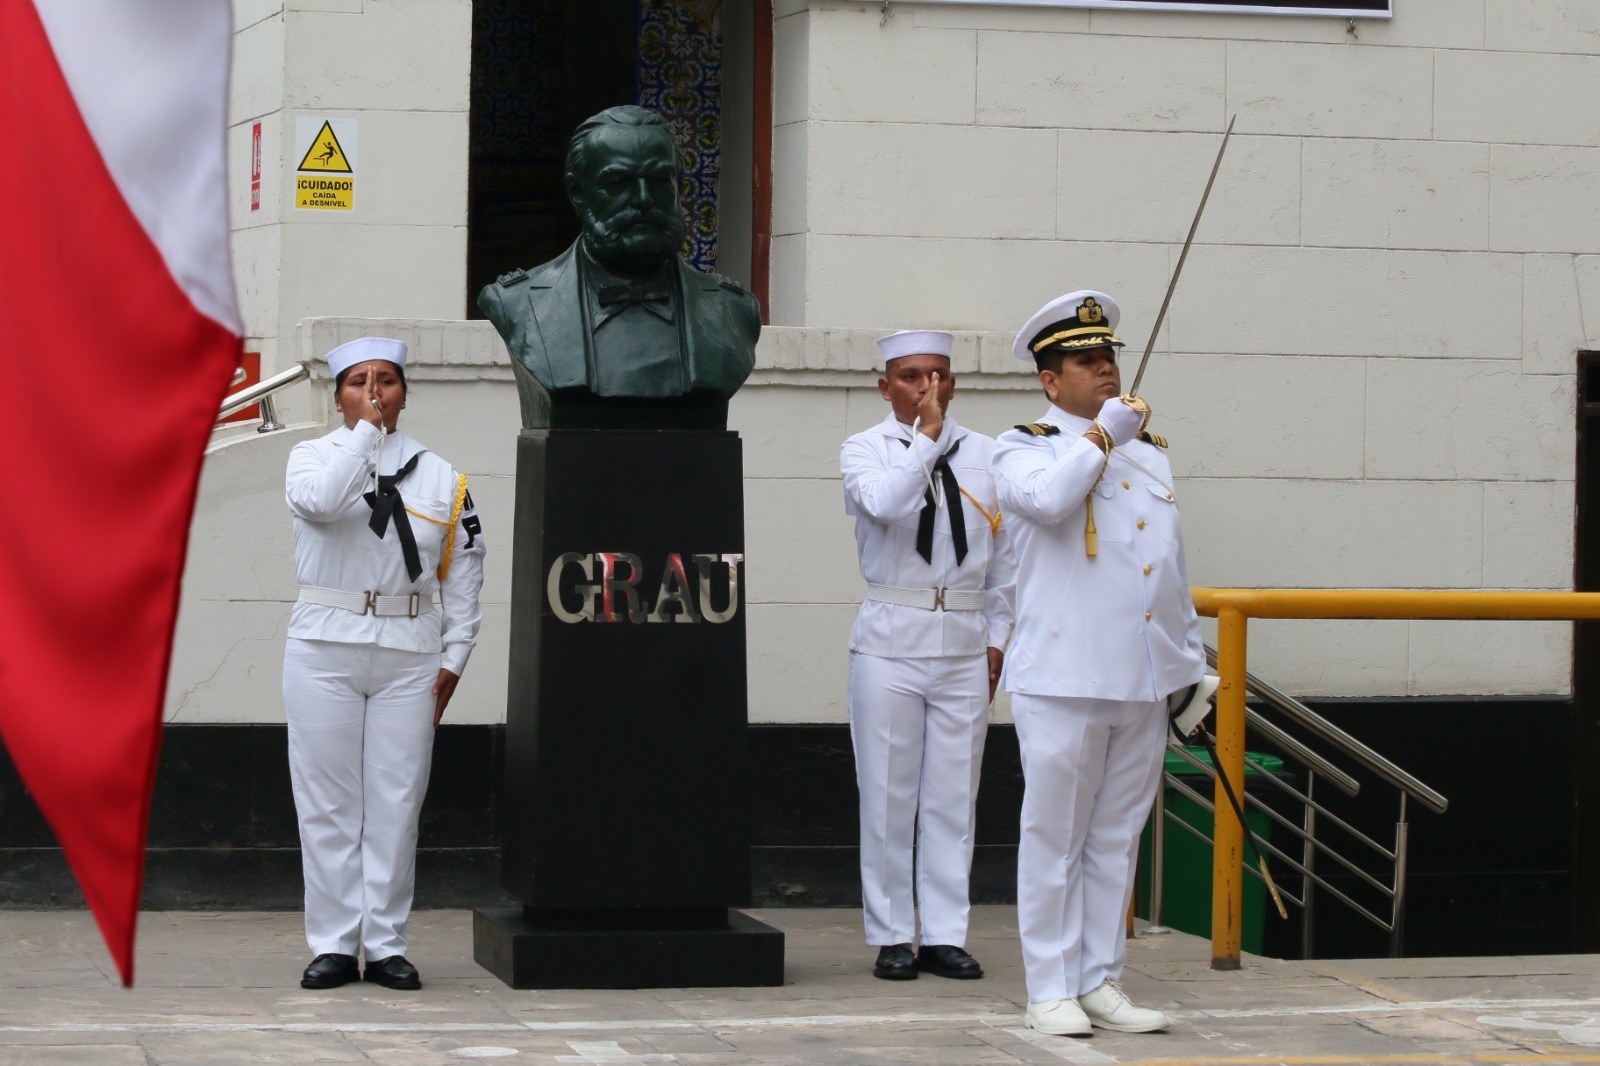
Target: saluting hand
{"x": 373, "y": 400}
{"x": 928, "y": 409}
{"x": 443, "y": 688}
{"x": 371, "y": 409}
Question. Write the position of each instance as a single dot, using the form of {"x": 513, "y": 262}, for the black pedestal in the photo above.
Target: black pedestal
{"x": 625, "y": 804}
{"x": 527, "y": 954}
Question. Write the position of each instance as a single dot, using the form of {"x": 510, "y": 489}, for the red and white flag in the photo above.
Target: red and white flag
{"x": 119, "y": 332}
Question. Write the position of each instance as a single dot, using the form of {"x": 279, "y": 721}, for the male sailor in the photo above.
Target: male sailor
{"x": 1106, "y": 632}
{"x": 925, "y": 655}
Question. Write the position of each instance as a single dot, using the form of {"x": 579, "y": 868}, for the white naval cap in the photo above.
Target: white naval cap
{"x": 1082, "y": 319}
{"x": 904, "y": 342}
{"x": 361, "y": 349}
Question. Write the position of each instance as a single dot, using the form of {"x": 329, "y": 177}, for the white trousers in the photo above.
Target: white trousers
{"x": 1090, "y": 769}
{"x": 360, "y": 748}
{"x": 918, "y": 726}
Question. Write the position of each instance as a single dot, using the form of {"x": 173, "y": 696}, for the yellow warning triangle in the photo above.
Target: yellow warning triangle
{"x": 325, "y": 153}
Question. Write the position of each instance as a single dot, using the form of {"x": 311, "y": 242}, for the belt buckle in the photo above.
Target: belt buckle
{"x": 412, "y": 604}
{"x": 938, "y": 597}
{"x": 371, "y": 606}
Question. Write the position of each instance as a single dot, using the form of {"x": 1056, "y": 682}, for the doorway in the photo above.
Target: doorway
{"x": 540, "y": 67}
{"x": 1586, "y": 666}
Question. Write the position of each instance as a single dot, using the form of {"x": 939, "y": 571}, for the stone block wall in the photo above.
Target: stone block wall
{"x": 1367, "y": 374}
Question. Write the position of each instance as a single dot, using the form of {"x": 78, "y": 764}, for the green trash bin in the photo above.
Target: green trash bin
{"x": 1186, "y": 880}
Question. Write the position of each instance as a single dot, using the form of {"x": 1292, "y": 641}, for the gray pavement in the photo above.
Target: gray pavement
{"x": 222, "y": 988}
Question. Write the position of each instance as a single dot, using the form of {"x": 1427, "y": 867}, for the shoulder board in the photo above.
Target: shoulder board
{"x": 729, "y": 284}
{"x": 1040, "y": 429}
{"x": 1151, "y": 438}
{"x": 513, "y": 277}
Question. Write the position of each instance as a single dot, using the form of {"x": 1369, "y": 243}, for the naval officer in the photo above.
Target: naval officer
{"x": 1106, "y": 632}
{"x": 925, "y": 654}
{"x": 381, "y": 525}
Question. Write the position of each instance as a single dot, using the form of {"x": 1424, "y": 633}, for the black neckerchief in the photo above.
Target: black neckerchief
{"x": 952, "y": 495}
{"x": 386, "y": 504}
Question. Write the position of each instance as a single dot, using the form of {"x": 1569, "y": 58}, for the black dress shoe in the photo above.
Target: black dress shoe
{"x": 895, "y": 963}
{"x": 942, "y": 960}
{"x": 330, "y": 971}
{"x": 393, "y": 972}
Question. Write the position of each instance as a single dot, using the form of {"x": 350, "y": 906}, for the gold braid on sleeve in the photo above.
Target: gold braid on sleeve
{"x": 455, "y": 519}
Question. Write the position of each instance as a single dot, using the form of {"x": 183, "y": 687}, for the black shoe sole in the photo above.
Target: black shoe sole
{"x": 894, "y": 975}
{"x": 954, "y": 975}
{"x": 399, "y": 986}
{"x": 321, "y": 983}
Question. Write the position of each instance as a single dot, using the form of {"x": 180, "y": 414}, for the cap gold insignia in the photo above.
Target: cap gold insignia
{"x": 1092, "y": 331}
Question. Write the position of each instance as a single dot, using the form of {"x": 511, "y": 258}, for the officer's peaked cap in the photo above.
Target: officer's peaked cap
{"x": 1082, "y": 319}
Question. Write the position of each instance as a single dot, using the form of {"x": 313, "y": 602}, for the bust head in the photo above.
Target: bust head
{"x": 622, "y": 177}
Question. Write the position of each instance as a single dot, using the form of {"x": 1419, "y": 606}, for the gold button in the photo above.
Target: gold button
{"x": 1141, "y": 523}
{"x": 1169, "y": 495}
{"x": 1147, "y": 569}
{"x": 1147, "y": 616}
{"x": 1126, "y": 485}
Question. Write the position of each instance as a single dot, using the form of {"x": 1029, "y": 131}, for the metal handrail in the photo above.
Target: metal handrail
{"x": 1298, "y": 751}
{"x": 1306, "y": 871}
{"x": 1306, "y": 832}
{"x": 1346, "y": 743}
{"x": 1310, "y": 846}
{"x": 1384, "y": 852}
{"x": 1304, "y": 800}
{"x": 1233, "y": 608}
{"x": 261, "y": 392}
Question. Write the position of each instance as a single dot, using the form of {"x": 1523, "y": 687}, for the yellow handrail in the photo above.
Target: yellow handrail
{"x": 1232, "y": 608}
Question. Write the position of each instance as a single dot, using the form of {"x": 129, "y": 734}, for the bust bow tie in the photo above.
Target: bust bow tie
{"x": 654, "y": 296}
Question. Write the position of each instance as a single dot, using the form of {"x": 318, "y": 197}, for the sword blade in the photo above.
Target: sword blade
{"x": 1187, "y": 241}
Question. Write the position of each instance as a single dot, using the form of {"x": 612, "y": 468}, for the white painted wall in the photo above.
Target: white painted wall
{"x": 1367, "y": 374}
{"x": 401, "y": 69}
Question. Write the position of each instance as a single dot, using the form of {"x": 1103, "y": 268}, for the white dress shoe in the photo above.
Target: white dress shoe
{"x": 1058, "y": 1017}
{"x": 1109, "y": 1008}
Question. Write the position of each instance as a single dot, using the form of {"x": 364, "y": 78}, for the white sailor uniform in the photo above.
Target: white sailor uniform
{"x": 1100, "y": 643}
{"x": 919, "y": 681}
{"x": 359, "y": 671}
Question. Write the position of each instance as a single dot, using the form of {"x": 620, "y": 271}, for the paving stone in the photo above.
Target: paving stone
{"x": 208, "y": 1049}
{"x": 73, "y": 1055}
{"x": 222, "y": 989}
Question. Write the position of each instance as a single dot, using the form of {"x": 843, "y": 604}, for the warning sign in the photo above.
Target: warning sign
{"x": 337, "y": 194}
{"x": 325, "y": 179}
{"x": 325, "y": 153}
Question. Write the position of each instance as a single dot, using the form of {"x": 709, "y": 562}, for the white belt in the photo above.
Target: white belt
{"x": 928, "y": 599}
{"x": 411, "y": 606}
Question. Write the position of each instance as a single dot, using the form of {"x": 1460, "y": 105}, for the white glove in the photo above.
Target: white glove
{"x": 1120, "y": 420}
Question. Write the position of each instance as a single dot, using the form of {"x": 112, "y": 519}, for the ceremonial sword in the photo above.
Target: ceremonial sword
{"x": 1173, "y": 284}
{"x": 1211, "y": 747}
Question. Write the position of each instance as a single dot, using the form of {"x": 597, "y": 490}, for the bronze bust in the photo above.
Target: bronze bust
{"x": 617, "y": 331}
